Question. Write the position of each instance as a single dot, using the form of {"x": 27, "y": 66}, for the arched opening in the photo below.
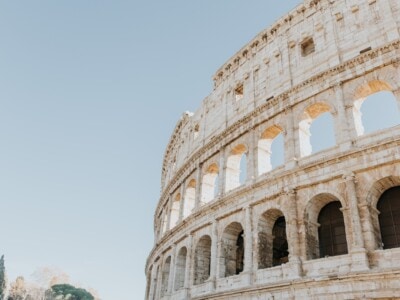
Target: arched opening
{"x": 331, "y": 231}
{"x": 272, "y": 241}
{"x": 316, "y": 129}
{"x": 389, "y": 217}
{"x": 180, "y": 268}
{"x": 209, "y": 189}
{"x": 270, "y": 149}
{"x": 232, "y": 251}
{"x": 375, "y": 108}
{"x": 175, "y": 210}
{"x": 165, "y": 276}
{"x": 236, "y": 168}
{"x": 190, "y": 198}
{"x": 202, "y": 260}
{"x": 280, "y": 244}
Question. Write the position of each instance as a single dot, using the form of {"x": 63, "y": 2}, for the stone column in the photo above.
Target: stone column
{"x": 153, "y": 278}
{"x": 252, "y": 157}
{"x": 345, "y": 131}
{"x": 182, "y": 202}
{"x": 214, "y": 252}
{"x": 199, "y": 182}
{"x": 357, "y": 250}
{"x": 169, "y": 213}
{"x": 159, "y": 279}
{"x": 291, "y": 144}
{"x": 222, "y": 172}
{"x": 248, "y": 243}
{"x": 172, "y": 269}
{"x": 189, "y": 266}
{"x": 293, "y": 233}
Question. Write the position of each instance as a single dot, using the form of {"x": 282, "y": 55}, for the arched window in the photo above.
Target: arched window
{"x": 280, "y": 244}
{"x": 236, "y": 168}
{"x": 331, "y": 232}
{"x": 202, "y": 260}
{"x": 316, "y": 129}
{"x": 190, "y": 198}
{"x": 272, "y": 241}
{"x": 175, "y": 211}
{"x": 270, "y": 149}
{"x": 389, "y": 217}
{"x": 165, "y": 276}
{"x": 180, "y": 268}
{"x": 209, "y": 188}
{"x": 232, "y": 250}
{"x": 375, "y": 100}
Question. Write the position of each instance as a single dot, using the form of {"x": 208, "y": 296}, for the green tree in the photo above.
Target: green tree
{"x": 2, "y": 278}
{"x": 68, "y": 292}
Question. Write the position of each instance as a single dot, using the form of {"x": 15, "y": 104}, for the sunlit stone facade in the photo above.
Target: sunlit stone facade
{"x": 322, "y": 225}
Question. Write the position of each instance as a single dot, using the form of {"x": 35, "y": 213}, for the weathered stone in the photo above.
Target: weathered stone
{"x": 214, "y": 233}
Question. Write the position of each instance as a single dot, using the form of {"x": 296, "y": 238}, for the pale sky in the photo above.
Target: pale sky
{"x": 90, "y": 92}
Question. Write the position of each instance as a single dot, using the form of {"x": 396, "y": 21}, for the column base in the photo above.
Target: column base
{"x": 296, "y": 269}
{"x": 359, "y": 260}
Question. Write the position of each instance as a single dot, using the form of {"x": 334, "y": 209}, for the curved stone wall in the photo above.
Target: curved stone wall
{"x": 220, "y": 234}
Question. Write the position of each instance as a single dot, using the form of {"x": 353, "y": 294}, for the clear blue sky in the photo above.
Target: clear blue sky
{"x": 90, "y": 92}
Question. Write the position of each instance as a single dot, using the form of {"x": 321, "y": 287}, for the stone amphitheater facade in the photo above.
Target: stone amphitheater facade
{"x": 322, "y": 225}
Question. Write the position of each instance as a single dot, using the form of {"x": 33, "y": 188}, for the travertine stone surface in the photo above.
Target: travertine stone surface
{"x": 324, "y": 56}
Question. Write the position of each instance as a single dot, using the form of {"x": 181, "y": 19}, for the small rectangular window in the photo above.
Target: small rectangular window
{"x": 239, "y": 92}
{"x": 307, "y": 47}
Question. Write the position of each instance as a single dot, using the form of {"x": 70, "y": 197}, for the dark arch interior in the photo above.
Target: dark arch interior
{"x": 331, "y": 232}
{"x": 280, "y": 244}
{"x": 389, "y": 217}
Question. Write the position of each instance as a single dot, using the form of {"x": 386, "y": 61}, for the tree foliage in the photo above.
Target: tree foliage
{"x": 2, "y": 278}
{"x": 70, "y": 292}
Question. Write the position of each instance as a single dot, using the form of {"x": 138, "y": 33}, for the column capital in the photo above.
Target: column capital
{"x": 348, "y": 176}
{"x": 289, "y": 191}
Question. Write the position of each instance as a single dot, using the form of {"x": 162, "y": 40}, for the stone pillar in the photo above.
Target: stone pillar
{"x": 222, "y": 173}
{"x": 214, "y": 252}
{"x": 255, "y": 245}
{"x": 159, "y": 279}
{"x": 172, "y": 269}
{"x": 248, "y": 246}
{"x": 252, "y": 157}
{"x": 293, "y": 233}
{"x": 189, "y": 266}
{"x": 291, "y": 144}
{"x": 345, "y": 131}
{"x": 357, "y": 249}
{"x": 153, "y": 278}
{"x": 199, "y": 182}
{"x": 182, "y": 202}
{"x": 248, "y": 241}
{"x": 169, "y": 213}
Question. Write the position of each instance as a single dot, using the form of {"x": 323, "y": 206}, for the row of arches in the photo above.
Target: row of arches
{"x": 317, "y": 123}
{"x": 325, "y": 236}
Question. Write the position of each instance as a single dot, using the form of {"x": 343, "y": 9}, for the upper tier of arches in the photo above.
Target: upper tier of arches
{"x": 295, "y": 136}
{"x": 316, "y": 39}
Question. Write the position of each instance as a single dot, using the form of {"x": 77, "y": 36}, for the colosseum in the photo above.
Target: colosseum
{"x": 231, "y": 224}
